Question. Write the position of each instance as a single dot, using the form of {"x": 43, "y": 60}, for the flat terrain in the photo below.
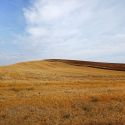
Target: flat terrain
{"x": 62, "y": 92}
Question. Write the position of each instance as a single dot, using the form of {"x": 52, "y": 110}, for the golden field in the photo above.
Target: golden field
{"x": 62, "y": 92}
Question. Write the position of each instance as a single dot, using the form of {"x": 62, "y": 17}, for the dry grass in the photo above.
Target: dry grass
{"x": 58, "y": 93}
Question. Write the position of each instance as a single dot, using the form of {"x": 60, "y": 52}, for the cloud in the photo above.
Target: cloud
{"x": 74, "y": 29}
{"x": 50, "y": 10}
{"x": 58, "y": 17}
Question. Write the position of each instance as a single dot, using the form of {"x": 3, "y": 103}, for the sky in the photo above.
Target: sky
{"x": 92, "y": 30}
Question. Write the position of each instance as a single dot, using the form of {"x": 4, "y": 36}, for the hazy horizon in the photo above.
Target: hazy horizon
{"x": 92, "y": 30}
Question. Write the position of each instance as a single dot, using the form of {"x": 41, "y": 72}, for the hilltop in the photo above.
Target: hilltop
{"x": 57, "y": 70}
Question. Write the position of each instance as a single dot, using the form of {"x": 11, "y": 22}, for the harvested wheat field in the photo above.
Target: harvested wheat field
{"x": 62, "y": 92}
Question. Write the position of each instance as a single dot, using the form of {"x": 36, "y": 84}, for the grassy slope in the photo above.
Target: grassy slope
{"x": 62, "y": 92}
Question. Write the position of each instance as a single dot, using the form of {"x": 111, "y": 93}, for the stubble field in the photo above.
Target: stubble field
{"x": 61, "y": 92}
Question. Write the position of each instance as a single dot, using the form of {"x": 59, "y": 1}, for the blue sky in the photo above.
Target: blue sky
{"x": 11, "y": 17}
{"x": 72, "y": 29}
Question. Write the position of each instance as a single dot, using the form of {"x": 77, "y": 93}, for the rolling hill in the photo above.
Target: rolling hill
{"x": 57, "y": 70}
{"x": 62, "y": 92}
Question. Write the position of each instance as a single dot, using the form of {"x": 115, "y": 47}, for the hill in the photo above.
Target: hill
{"x": 62, "y": 92}
{"x": 57, "y": 70}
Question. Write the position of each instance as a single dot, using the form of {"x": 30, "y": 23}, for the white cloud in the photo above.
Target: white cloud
{"x": 50, "y": 10}
{"x": 60, "y": 17}
{"x": 75, "y": 29}
{"x": 37, "y": 31}
{"x": 89, "y": 29}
